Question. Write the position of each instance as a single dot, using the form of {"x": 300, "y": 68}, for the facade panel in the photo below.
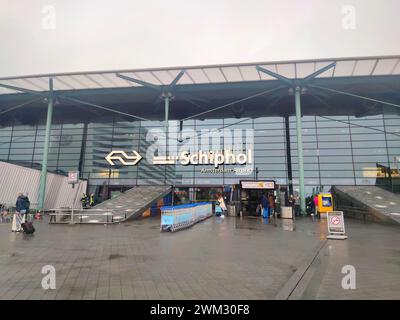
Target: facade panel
{"x": 339, "y": 150}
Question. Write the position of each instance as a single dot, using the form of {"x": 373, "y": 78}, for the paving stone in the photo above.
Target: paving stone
{"x": 233, "y": 258}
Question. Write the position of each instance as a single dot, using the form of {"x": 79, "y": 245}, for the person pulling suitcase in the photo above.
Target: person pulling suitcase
{"x": 19, "y": 213}
{"x": 20, "y": 216}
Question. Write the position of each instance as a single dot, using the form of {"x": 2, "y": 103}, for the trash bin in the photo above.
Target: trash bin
{"x": 231, "y": 210}
{"x": 286, "y": 212}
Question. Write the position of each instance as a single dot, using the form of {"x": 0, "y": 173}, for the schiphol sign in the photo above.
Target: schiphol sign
{"x": 185, "y": 146}
{"x": 215, "y": 158}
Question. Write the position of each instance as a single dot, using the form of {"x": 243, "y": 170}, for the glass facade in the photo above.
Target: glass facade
{"x": 338, "y": 150}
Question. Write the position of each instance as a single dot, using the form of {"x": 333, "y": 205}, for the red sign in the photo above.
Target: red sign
{"x": 73, "y": 177}
{"x": 335, "y": 220}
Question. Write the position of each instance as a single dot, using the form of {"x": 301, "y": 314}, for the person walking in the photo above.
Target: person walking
{"x": 316, "y": 204}
{"x": 265, "y": 206}
{"x": 311, "y": 205}
{"x": 291, "y": 203}
{"x": 91, "y": 200}
{"x": 297, "y": 205}
{"x": 19, "y": 211}
{"x": 25, "y": 207}
{"x": 84, "y": 200}
{"x": 221, "y": 203}
{"x": 271, "y": 204}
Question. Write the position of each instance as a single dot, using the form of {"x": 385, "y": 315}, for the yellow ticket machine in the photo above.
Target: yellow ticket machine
{"x": 325, "y": 203}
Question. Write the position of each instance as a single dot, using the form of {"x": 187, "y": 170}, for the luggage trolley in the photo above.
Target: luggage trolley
{"x": 175, "y": 218}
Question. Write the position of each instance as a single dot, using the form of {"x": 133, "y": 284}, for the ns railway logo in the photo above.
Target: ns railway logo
{"x": 123, "y": 158}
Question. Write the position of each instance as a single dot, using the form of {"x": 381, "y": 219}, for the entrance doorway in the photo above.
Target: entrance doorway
{"x": 251, "y": 193}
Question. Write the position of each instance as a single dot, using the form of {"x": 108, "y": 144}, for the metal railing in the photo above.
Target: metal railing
{"x": 352, "y": 210}
{"x": 69, "y": 215}
{"x": 391, "y": 179}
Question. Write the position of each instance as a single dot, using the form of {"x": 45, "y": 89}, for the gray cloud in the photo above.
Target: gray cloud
{"x": 118, "y": 34}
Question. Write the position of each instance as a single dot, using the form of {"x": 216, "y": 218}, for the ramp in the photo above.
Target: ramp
{"x": 15, "y": 178}
{"x": 370, "y": 202}
{"x": 128, "y": 205}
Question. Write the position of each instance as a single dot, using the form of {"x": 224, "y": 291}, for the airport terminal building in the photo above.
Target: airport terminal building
{"x": 126, "y": 128}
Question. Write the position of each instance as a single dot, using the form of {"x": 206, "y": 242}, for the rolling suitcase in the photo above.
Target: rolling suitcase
{"x": 218, "y": 210}
{"x": 28, "y": 227}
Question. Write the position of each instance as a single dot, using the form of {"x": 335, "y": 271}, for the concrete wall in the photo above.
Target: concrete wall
{"x": 59, "y": 193}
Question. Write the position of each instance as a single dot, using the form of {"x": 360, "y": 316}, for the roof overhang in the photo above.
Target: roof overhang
{"x": 211, "y": 86}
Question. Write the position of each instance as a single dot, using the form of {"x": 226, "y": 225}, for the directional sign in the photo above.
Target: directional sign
{"x": 123, "y": 158}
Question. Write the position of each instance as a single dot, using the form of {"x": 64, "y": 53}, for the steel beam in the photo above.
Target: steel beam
{"x": 141, "y": 82}
{"x": 43, "y": 175}
{"x": 24, "y": 90}
{"x": 177, "y": 78}
{"x": 356, "y": 96}
{"x": 296, "y": 85}
{"x": 90, "y": 104}
{"x": 299, "y": 131}
{"x": 318, "y": 72}
{"x": 285, "y": 80}
{"x": 166, "y": 101}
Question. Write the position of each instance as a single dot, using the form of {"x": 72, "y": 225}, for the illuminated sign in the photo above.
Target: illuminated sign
{"x": 185, "y": 158}
{"x": 258, "y": 184}
{"x": 215, "y": 158}
{"x": 123, "y": 158}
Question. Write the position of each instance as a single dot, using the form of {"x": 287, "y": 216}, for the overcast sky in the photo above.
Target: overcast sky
{"x": 43, "y": 36}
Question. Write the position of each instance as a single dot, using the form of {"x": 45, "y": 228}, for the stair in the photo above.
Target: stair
{"x": 128, "y": 205}
{"x": 370, "y": 202}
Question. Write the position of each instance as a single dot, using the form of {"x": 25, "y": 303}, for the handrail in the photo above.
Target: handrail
{"x": 360, "y": 210}
{"x": 67, "y": 212}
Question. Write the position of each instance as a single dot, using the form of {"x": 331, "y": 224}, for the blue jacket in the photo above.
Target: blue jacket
{"x": 264, "y": 202}
{"x": 22, "y": 203}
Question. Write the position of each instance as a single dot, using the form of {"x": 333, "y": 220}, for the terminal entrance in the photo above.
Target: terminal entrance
{"x": 190, "y": 194}
{"x": 250, "y": 201}
{"x": 242, "y": 199}
{"x": 251, "y": 194}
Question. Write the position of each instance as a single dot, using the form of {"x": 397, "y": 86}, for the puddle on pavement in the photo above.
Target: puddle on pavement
{"x": 257, "y": 223}
{"x": 115, "y": 256}
{"x": 288, "y": 225}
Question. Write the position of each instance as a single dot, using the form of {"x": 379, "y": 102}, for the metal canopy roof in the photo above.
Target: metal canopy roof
{"x": 213, "y": 74}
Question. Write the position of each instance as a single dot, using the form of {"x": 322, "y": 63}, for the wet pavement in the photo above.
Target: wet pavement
{"x": 231, "y": 258}
{"x": 374, "y": 252}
